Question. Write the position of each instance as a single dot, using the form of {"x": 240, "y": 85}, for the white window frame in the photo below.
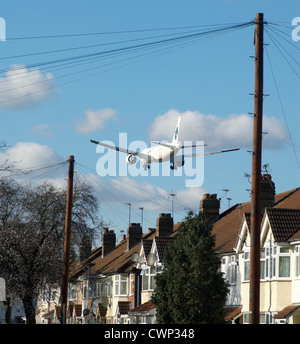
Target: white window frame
{"x": 72, "y": 294}
{"x": 281, "y": 255}
{"x": 247, "y": 266}
{"x": 274, "y": 257}
{"x": 297, "y": 265}
{"x": 121, "y": 285}
{"x": 232, "y": 270}
{"x": 94, "y": 290}
{"x": 148, "y": 282}
{"x": 131, "y": 281}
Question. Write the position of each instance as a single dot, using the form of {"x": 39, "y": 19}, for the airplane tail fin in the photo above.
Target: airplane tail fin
{"x": 176, "y": 132}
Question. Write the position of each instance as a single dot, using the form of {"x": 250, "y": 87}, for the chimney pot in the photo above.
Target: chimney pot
{"x": 164, "y": 224}
{"x": 108, "y": 241}
{"x": 210, "y": 206}
{"x": 134, "y": 235}
{"x": 267, "y": 192}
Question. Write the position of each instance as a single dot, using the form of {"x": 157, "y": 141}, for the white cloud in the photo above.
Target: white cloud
{"x": 21, "y": 87}
{"x": 217, "y": 132}
{"x": 94, "y": 121}
{"x": 36, "y": 163}
{"x": 142, "y": 194}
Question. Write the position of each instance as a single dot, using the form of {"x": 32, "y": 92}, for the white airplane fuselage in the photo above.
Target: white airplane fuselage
{"x": 159, "y": 154}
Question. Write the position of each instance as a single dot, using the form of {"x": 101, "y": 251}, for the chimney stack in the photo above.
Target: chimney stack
{"x": 108, "y": 241}
{"x": 267, "y": 192}
{"x": 85, "y": 248}
{"x": 210, "y": 206}
{"x": 164, "y": 224}
{"x": 134, "y": 235}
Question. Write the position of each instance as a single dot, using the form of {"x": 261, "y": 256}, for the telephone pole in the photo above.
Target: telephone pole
{"x": 256, "y": 174}
{"x": 68, "y": 218}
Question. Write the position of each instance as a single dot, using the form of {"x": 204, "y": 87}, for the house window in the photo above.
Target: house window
{"x": 107, "y": 287}
{"x": 94, "y": 288}
{"x": 263, "y": 268}
{"x": 149, "y": 278}
{"x": 247, "y": 266}
{"x": 284, "y": 262}
{"x": 297, "y": 261}
{"x": 85, "y": 289}
{"x": 131, "y": 281}
{"x": 277, "y": 262}
{"x": 72, "y": 291}
{"x": 232, "y": 270}
{"x": 246, "y": 318}
{"x": 121, "y": 285}
{"x": 270, "y": 262}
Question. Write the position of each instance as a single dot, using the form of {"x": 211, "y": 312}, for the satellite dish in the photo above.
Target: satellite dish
{"x": 134, "y": 258}
{"x": 151, "y": 259}
{"x": 86, "y": 312}
{"x": 141, "y": 259}
{"x": 78, "y": 286}
{"x": 2, "y": 289}
{"x": 94, "y": 305}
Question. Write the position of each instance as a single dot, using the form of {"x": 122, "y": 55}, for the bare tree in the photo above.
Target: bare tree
{"x": 32, "y": 234}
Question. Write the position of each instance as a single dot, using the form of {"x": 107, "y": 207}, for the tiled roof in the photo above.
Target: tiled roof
{"x": 101, "y": 310}
{"x": 227, "y": 228}
{"x": 118, "y": 260}
{"x": 74, "y": 309}
{"x": 124, "y": 307}
{"x": 147, "y": 244}
{"x": 286, "y": 312}
{"x": 284, "y": 222}
{"x": 145, "y": 307}
{"x": 161, "y": 244}
{"x": 289, "y": 199}
{"x": 232, "y": 312}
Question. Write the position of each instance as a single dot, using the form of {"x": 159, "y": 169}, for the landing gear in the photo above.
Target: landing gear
{"x": 172, "y": 165}
{"x": 146, "y": 167}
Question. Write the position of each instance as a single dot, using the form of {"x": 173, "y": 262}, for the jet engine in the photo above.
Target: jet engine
{"x": 131, "y": 159}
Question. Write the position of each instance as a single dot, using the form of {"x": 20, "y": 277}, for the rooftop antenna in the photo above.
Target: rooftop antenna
{"x": 142, "y": 215}
{"x": 172, "y": 196}
{"x": 265, "y": 168}
{"x": 229, "y": 199}
{"x": 129, "y": 204}
{"x": 246, "y": 175}
{"x": 225, "y": 190}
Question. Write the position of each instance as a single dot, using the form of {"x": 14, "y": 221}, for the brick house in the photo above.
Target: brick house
{"x": 114, "y": 283}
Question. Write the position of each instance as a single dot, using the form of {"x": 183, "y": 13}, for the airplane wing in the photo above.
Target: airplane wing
{"x": 216, "y": 152}
{"x": 139, "y": 154}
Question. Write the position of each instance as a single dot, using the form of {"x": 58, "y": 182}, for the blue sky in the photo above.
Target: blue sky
{"x": 207, "y": 81}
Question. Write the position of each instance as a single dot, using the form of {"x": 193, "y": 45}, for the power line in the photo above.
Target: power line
{"x": 182, "y": 41}
{"x": 282, "y": 109}
{"x": 277, "y": 44}
{"x": 142, "y": 45}
{"x": 81, "y": 34}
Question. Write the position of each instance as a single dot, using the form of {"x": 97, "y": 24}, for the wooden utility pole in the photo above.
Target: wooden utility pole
{"x": 65, "y": 279}
{"x": 256, "y": 174}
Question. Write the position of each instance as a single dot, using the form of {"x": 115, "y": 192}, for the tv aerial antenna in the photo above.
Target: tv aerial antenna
{"x": 172, "y": 197}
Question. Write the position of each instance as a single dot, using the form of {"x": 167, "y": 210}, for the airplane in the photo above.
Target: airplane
{"x": 161, "y": 152}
